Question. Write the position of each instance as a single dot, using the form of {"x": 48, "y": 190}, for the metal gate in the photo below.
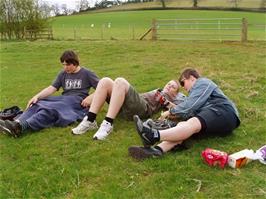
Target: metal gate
{"x": 222, "y": 29}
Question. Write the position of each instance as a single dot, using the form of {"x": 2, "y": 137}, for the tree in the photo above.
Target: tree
{"x": 235, "y": 2}
{"x": 195, "y": 3}
{"x": 83, "y": 5}
{"x": 64, "y": 9}
{"x": 18, "y": 15}
{"x": 263, "y": 4}
{"x": 106, "y": 4}
{"x": 163, "y": 3}
{"x": 55, "y": 10}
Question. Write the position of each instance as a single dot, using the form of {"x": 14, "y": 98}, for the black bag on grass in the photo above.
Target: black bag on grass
{"x": 10, "y": 113}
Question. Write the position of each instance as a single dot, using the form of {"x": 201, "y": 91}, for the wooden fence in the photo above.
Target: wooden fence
{"x": 46, "y": 33}
{"x": 221, "y": 29}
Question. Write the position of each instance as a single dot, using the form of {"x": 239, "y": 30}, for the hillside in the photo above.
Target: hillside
{"x": 252, "y": 5}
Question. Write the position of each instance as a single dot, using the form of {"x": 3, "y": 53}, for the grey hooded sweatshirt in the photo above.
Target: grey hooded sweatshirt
{"x": 203, "y": 94}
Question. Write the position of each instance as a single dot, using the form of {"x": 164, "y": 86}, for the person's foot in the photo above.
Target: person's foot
{"x": 141, "y": 153}
{"x": 148, "y": 135}
{"x": 11, "y": 128}
{"x": 160, "y": 124}
{"x": 104, "y": 130}
{"x": 84, "y": 126}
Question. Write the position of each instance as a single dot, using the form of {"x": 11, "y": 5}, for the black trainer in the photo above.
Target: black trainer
{"x": 148, "y": 135}
{"x": 141, "y": 153}
{"x": 10, "y": 127}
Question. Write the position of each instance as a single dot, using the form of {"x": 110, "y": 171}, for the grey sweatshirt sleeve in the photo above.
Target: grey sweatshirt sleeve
{"x": 197, "y": 97}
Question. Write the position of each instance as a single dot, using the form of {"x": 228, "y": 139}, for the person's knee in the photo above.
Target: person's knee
{"x": 105, "y": 82}
{"x": 193, "y": 124}
{"x": 122, "y": 83}
{"x": 181, "y": 123}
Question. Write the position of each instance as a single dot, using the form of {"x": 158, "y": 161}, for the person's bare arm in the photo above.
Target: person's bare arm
{"x": 42, "y": 94}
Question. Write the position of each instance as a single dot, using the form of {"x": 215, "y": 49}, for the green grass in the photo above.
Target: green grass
{"x": 133, "y": 24}
{"x": 54, "y": 164}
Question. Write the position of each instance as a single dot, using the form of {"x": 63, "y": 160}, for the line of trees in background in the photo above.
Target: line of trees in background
{"x": 16, "y": 16}
{"x": 83, "y": 5}
{"x": 195, "y": 3}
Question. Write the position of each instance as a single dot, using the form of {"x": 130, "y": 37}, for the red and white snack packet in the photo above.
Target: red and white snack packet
{"x": 214, "y": 157}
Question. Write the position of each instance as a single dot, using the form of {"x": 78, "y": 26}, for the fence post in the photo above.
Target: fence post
{"x": 154, "y": 30}
{"x": 244, "y": 33}
{"x": 25, "y": 32}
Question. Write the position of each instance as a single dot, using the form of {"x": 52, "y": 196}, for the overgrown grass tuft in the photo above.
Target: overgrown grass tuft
{"x": 54, "y": 164}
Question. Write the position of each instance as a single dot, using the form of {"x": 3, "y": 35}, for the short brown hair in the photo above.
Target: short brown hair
{"x": 186, "y": 74}
{"x": 70, "y": 57}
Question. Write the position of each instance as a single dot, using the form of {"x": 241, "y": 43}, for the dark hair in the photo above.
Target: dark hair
{"x": 70, "y": 57}
{"x": 186, "y": 74}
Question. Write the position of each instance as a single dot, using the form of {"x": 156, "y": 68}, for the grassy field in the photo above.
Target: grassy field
{"x": 133, "y": 24}
{"x": 54, "y": 164}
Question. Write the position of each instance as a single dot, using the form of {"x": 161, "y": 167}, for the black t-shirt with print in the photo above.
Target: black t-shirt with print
{"x": 76, "y": 83}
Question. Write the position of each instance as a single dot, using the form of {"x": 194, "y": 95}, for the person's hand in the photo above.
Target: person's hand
{"x": 32, "y": 101}
{"x": 86, "y": 102}
{"x": 164, "y": 115}
{"x": 159, "y": 97}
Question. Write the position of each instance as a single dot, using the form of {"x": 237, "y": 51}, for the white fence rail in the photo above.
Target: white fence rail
{"x": 200, "y": 29}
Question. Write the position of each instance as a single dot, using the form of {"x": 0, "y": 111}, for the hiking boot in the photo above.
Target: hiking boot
{"x": 141, "y": 153}
{"x": 104, "y": 130}
{"x": 11, "y": 128}
{"x": 148, "y": 135}
{"x": 84, "y": 126}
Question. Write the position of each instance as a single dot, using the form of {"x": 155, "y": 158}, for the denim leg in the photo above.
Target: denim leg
{"x": 28, "y": 113}
{"x": 42, "y": 119}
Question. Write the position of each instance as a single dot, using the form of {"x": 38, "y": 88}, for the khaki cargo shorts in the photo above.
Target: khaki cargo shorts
{"x": 134, "y": 104}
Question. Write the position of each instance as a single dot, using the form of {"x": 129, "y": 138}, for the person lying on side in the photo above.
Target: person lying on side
{"x": 126, "y": 101}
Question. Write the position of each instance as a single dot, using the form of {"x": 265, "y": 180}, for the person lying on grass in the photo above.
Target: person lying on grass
{"x": 126, "y": 101}
{"x": 206, "y": 111}
{"x": 44, "y": 111}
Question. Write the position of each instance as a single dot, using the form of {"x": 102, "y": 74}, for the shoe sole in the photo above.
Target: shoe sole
{"x": 73, "y": 131}
{"x": 6, "y": 131}
{"x": 136, "y": 119}
{"x": 96, "y": 138}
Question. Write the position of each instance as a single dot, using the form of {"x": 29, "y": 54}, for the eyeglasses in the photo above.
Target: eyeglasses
{"x": 182, "y": 82}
